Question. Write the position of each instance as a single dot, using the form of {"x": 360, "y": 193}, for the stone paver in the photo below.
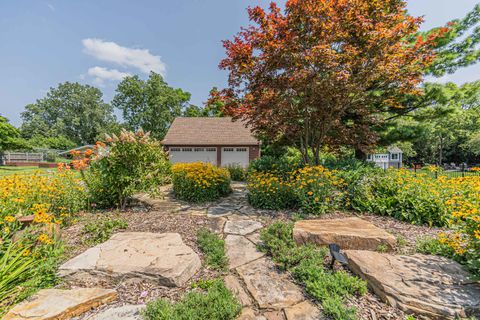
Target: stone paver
{"x": 254, "y": 237}
{"x": 56, "y": 304}
{"x": 349, "y": 233}
{"x": 432, "y": 286}
{"x": 232, "y": 283}
{"x": 240, "y": 251}
{"x": 126, "y": 312}
{"x": 221, "y": 210}
{"x": 274, "y": 315}
{"x": 160, "y": 257}
{"x": 242, "y": 227}
{"x": 269, "y": 287}
{"x": 303, "y": 311}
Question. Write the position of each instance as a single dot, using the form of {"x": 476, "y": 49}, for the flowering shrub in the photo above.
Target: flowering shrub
{"x": 464, "y": 211}
{"x": 200, "y": 182}
{"x": 51, "y": 198}
{"x": 123, "y": 165}
{"x": 318, "y": 189}
{"x": 314, "y": 189}
{"x": 269, "y": 191}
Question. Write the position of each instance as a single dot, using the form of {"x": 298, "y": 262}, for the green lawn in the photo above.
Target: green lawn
{"x": 6, "y": 170}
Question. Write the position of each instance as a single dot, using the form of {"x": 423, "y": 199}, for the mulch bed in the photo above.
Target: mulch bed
{"x": 139, "y": 292}
{"x": 140, "y": 219}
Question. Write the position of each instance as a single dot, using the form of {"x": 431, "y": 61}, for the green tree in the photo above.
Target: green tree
{"x": 214, "y": 106}
{"x": 149, "y": 104}
{"x": 9, "y": 136}
{"x": 193, "y": 111}
{"x": 71, "y": 110}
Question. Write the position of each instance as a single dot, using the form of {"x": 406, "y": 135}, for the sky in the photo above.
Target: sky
{"x": 98, "y": 42}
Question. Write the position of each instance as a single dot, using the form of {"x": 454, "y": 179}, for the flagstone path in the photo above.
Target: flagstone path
{"x": 264, "y": 292}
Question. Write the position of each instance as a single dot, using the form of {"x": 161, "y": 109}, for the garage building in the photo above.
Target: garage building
{"x": 219, "y": 141}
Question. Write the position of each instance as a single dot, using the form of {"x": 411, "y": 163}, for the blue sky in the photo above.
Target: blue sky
{"x": 98, "y": 42}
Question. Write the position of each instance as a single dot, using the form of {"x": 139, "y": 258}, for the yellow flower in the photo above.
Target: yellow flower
{"x": 9, "y": 218}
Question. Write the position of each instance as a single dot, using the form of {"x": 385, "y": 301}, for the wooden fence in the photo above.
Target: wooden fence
{"x": 9, "y": 157}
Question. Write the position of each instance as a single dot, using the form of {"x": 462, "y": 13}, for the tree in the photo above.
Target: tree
{"x": 72, "y": 111}
{"x": 9, "y": 136}
{"x": 459, "y": 46}
{"x": 442, "y": 129}
{"x": 151, "y": 105}
{"x": 324, "y": 73}
{"x": 214, "y": 106}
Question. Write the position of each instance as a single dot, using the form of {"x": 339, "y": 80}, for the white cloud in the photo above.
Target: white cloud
{"x": 108, "y": 51}
{"x": 101, "y": 75}
{"x": 51, "y": 7}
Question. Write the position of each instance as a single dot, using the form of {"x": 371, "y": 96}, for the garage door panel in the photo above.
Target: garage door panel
{"x": 235, "y": 156}
{"x": 189, "y": 155}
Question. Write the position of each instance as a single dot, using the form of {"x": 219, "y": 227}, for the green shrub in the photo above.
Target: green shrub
{"x": 200, "y": 182}
{"x": 402, "y": 195}
{"x": 237, "y": 173}
{"x": 306, "y": 263}
{"x": 268, "y": 191}
{"x": 280, "y": 167}
{"x": 128, "y": 163}
{"x": 214, "y": 302}
{"x": 213, "y": 248}
{"x": 100, "y": 231}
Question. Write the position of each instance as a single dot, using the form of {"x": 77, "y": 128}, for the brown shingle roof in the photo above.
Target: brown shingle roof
{"x": 208, "y": 131}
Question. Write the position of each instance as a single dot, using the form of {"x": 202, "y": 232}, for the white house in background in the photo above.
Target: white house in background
{"x": 392, "y": 157}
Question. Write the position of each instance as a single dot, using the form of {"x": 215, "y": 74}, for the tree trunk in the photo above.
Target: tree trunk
{"x": 360, "y": 155}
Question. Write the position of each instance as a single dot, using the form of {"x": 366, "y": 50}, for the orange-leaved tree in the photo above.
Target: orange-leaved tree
{"x": 324, "y": 72}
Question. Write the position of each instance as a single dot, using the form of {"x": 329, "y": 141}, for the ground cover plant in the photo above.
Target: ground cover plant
{"x": 307, "y": 265}
{"x": 208, "y": 300}
{"x": 213, "y": 248}
{"x": 96, "y": 232}
{"x": 200, "y": 182}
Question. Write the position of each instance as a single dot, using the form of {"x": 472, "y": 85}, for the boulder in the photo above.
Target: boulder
{"x": 431, "y": 286}
{"x": 349, "y": 233}
{"x": 56, "y": 304}
{"x": 161, "y": 257}
{"x": 269, "y": 287}
{"x": 240, "y": 251}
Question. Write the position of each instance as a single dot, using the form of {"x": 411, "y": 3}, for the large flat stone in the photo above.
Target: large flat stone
{"x": 160, "y": 257}
{"x": 126, "y": 312}
{"x": 242, "y": 227}
{"x": 349, "y": 233}
{"x": 240, "y": 251}
{"x": 431, "y": 286}
{"x": 56, "y": 304}
{"x": 270, "y": 288}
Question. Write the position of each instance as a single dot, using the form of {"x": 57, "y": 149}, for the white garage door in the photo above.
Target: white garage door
{"x": 188, "y": 155}
{"x": 235, "y": 156}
